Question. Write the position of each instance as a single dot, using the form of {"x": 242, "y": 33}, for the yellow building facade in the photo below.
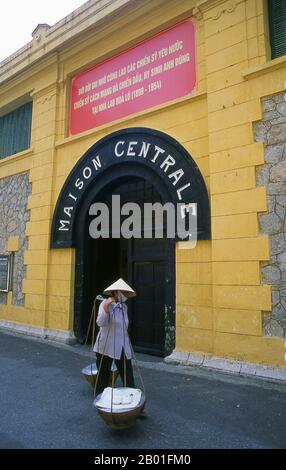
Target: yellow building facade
{"x": 227, "y": 288}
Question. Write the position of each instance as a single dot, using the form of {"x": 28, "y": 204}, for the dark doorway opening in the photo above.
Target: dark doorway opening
{"x": 146, "y": 264}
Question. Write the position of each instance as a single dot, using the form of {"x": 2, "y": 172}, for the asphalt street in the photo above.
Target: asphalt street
{"x": 45, "y": 402}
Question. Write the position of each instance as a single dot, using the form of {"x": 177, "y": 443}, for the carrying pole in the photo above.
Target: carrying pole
{"x": 124, "y": 330}
{"x": 91, "y": 322}
{"x": 135, "y": 360}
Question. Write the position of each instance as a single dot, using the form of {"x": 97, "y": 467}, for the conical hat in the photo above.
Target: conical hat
{"x": 122, "y": 286}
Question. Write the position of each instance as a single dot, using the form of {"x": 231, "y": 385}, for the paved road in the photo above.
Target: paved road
{"x": 46, "y": 403}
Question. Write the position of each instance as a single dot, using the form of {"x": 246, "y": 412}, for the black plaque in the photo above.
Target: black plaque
{"x": 137, "y": 151}
{"x": 4, "y": 272}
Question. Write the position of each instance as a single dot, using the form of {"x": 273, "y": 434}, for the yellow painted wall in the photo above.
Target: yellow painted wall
{"x": 236, "y": 45}
{"x": 219, "y": 295}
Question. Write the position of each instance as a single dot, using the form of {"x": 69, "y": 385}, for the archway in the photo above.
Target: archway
{"x": 124, "y": 157}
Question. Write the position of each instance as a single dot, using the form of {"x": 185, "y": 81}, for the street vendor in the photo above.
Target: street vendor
{"x": 112, "y": 342}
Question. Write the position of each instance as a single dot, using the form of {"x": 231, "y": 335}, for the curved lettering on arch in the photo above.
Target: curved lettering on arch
{"x": 163, "y": 156}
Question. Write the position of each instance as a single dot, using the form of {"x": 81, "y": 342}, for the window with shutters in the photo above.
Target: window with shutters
{"x": 277, "y": 27}
{"x": 15, "y": 130}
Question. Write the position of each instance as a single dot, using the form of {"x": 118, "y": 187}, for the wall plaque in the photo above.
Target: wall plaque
{"x": 156, "y": 71}
{"x": 5, "y": 263}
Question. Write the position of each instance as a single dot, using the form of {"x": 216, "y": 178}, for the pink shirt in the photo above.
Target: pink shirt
{"x": 112, "y": 335}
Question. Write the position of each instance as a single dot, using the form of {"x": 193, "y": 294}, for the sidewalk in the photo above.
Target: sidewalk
{"x": 45, "y": 402}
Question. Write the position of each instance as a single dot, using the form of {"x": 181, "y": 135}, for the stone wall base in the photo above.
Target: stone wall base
{"x": 227, "y": 365}
{"x": 60, "y": 336}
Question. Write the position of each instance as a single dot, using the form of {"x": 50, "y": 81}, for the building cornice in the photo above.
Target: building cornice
{"x": 205, "y": 5}
{"x": 266, "y": 67}
{"x": 93, "y": 16}
{"x": 89, "y": 16}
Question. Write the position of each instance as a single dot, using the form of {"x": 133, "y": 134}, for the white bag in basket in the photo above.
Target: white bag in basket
{"x": 123, "y": 398}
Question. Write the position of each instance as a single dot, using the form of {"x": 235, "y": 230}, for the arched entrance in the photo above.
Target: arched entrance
{"x": 147, "y": 264}
{"x": 142, "y": 165}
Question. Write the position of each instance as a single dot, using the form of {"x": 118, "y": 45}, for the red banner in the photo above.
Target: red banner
{"x": 155, "y": 71}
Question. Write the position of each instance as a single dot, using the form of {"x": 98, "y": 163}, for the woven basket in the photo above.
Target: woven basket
{"x": 91, "y": 378}
{"x": 122, "y": 419}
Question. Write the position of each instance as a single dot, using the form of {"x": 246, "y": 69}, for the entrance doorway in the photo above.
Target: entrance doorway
{"x": 142, "y": 262}
{"x": 150, "y": 164}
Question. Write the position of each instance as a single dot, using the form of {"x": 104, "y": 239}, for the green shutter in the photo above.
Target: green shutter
{"x": 277, "y": 27}
{"x": 15, "y": 131}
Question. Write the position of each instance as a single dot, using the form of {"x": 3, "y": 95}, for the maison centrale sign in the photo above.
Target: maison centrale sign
{"x": 136, "y": 152}
{"x": 155, "y": 71}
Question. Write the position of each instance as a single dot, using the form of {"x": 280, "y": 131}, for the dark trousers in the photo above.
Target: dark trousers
{"x": 105, "y": 369}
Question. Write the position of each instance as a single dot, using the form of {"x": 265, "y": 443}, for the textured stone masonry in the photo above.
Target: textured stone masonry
{"x": 271, "y": 130}
{"x": 14, "y": 192}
